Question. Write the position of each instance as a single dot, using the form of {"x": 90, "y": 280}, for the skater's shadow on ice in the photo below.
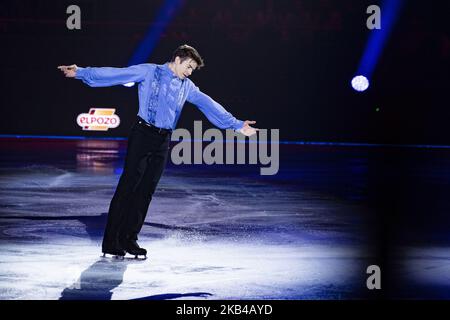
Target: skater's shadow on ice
{"x": 97, "y": 281}
{"x": 169, "y": 296}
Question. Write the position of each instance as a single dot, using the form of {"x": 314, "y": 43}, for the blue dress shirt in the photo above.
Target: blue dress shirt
{"x": 161, "y": 94}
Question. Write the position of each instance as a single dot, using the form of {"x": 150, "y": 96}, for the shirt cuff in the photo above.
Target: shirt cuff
{"x": 80, "y": 73}
{"x": 239, "y": 125}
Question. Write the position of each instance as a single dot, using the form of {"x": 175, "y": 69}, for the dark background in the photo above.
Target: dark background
{"x": 285, "y": 64}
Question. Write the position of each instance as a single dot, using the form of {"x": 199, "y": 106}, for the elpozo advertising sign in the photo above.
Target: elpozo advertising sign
{"x": 98, "y": 119}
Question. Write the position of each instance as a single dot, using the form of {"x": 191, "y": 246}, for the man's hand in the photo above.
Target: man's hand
{"x": 247, "y": 130}
{"x": 69, "y": 71}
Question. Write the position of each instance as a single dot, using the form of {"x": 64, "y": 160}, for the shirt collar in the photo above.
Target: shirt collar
{"x": 166, "y": 69}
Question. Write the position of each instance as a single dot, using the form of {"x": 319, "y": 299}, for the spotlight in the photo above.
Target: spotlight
{"x": 129, "y": 84}
{"x": 360, "y": 83}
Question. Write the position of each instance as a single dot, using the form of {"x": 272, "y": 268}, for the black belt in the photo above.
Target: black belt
{"x": 144, "y": 123}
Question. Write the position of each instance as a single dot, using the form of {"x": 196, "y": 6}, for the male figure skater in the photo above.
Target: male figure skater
{"x": 163, "y": 90}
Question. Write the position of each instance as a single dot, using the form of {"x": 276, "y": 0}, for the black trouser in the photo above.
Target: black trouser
{"x": 146, "y": 158}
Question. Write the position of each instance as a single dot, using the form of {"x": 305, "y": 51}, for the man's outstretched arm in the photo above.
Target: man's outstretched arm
{"x": 106, "y": 76}
{"x": 217, "y": 114}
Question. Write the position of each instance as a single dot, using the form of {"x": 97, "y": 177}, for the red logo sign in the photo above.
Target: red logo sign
{"x": 98, "y": 119}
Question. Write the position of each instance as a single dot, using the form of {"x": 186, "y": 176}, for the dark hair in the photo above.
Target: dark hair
{"x": 185, "y": 52}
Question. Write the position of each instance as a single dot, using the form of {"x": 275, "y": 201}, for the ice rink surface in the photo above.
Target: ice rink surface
{"x": 211, "y": 232}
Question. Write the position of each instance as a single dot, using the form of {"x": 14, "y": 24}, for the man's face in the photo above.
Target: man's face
{"x": 184, "y": 69}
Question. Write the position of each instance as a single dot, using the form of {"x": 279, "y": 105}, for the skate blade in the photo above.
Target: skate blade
{"x": 112, "y": 256}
